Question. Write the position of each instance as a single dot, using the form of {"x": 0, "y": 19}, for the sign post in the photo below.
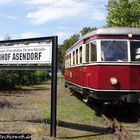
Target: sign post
{"x": 33, "y": 54}
{"x": 54, "y": 89}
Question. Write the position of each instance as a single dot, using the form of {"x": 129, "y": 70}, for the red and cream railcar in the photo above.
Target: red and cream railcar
{"x": 105, "y": 64}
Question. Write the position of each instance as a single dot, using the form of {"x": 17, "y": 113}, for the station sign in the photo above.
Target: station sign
{"x": 31, "y": 53}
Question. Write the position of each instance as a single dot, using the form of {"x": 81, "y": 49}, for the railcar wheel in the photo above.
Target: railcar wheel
{"x": 85, "y": 99}
{"x": 99, "y": 107}
{"x": 71, "y": 92}
{"x": 133, "y": 106}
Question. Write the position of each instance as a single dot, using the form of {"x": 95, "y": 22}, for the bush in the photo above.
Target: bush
{"x": 11, "y": 79}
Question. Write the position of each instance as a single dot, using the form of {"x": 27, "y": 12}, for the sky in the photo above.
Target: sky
{"x": 40, "y": 18}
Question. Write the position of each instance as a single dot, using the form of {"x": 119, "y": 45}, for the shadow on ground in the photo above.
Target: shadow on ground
{"x": 81, "y": 127}
{"x": 5, "y": 104}
{"x": 22, "y": 91}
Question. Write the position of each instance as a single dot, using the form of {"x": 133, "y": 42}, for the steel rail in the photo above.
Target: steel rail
{"x": 117, "y": 128}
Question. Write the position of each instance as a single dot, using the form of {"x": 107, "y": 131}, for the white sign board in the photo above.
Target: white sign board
{"x": 33, "y": 53}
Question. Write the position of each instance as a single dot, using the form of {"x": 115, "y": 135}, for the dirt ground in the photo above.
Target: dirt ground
{"x": 24, "y": 111}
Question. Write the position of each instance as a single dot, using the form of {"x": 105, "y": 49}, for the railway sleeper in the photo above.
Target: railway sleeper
{"x": 121, "y": 131}
{"x": 115, "y": 127}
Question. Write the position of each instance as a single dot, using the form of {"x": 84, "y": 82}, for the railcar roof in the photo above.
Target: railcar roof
{"x": 114, "y": 31}
{"x": 110, "y": 31}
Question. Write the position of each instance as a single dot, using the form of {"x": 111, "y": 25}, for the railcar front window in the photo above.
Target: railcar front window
{"x": 114, "y": 51}
{"x": 135, "y": 50}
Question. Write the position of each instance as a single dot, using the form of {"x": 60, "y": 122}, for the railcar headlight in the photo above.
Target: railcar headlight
{"x": 130, "y": 35}
{"x": 113, "y": 80}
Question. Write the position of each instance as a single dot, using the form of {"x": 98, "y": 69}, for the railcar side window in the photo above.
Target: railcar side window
{"x": 73, "y": 57}
{"x": 69, "y": 59}
{"x": 87, "y": 52}
{"x": 80, "y": 54}
{"x": 76, "y": 56}
{"x": 135, "y": 50}
{"x": 93, "y": 54}
{"x": 66, "y": 61}
{"x": 114, "y": 51}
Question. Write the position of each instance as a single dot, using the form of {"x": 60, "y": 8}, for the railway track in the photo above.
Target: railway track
{"x": 115, "y": 127}
{"x": 130, "y": 130}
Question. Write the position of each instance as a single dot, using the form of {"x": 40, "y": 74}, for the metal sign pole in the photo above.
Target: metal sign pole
{"x": 54, "y": 87}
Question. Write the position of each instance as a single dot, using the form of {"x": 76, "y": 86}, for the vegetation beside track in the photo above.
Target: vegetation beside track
{"x": 28, "y": 111}
{"x": 75, "y": 120}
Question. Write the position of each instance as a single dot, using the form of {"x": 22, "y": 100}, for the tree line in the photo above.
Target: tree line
{"x": 13, "y": 79}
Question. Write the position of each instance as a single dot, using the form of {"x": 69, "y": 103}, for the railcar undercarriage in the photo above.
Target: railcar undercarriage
{"x": 107, "y": 97}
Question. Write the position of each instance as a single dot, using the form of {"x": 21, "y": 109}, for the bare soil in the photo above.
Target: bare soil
{"x": 22, "y": 111}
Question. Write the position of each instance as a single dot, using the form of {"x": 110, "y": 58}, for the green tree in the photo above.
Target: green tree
{"x": 123, "y": 13}
{"x": 67, "y": 44}
{"x": 85, "y": 30}
{"x": 62, "y": 49}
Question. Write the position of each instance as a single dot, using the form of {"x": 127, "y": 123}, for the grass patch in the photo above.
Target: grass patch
{"x": 46, "y": 113}
{"x": 69, "y": 108}
{"x": 75, "y": 111}
{"x": 73, "y": 114}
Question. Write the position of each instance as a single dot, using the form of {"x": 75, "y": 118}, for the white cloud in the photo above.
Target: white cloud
{"x": 49, "y": 10}
{"x": 8, "y": 16}
{"x": 5, "y": 1}
{"x": 29, "y": 35}
{"x": 40, "y": 1}
{"x": 98, "y": 15}
{"x": 1, "y": 38}
{"x": 63, "y": 35}
{"x": 55, "y": 10}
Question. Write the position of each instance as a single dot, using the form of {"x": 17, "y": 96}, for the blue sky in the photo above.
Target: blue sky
{"x": 38, "y": 18}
